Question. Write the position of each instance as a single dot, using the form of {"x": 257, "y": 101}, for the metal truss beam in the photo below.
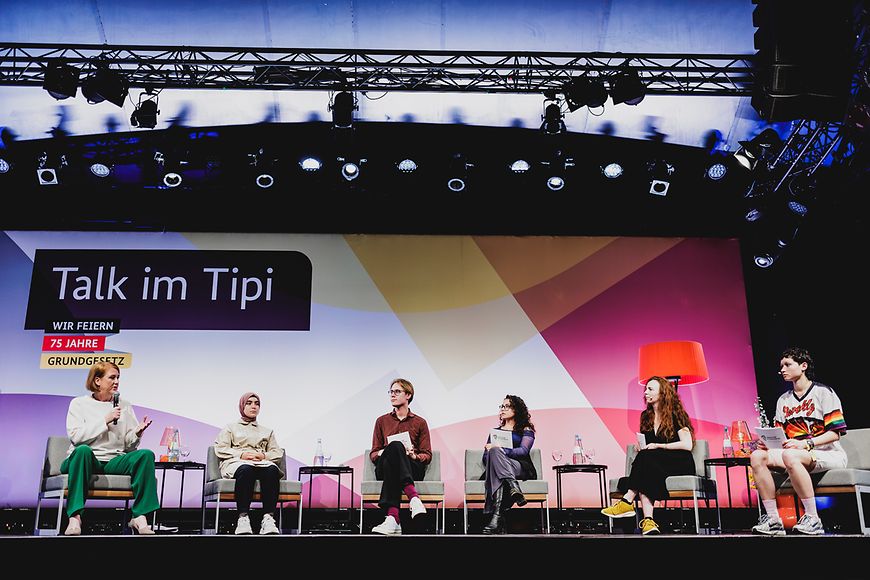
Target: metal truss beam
{"x": 187, "y": 67}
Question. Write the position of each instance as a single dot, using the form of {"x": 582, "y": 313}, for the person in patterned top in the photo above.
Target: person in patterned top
{"x": 811, "y": 415}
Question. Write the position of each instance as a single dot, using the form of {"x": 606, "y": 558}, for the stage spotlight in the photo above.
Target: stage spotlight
{"x": 105, "y": 85}
{"x": 343, "y": 105}
{"x": 626, "y": 87}
{"x": 585, "y": 92}
{"x": 5, "y": 166}
{"x": 100, "y": 170}
{"x": 660, "y": 172}
{"x": 612, "y": 170}
{"x": 310, "y": 164}
{"x": 172, "y": 179}
{"x": 520, "y": 166}
{"x": 763, "y": 145}
{"x": 407, "y": 166}
{"x": 555, "y": 183}
{"x": 716, "y": 171}
{"x": 802, "y": 194}
{"x": 61, "y": 80}
{"x": 753, "y": 215}
{"x": 764, "y": 260}
{"x": 145, "y": 115}
{"x": 457, "y": 175}
{"x": 47, "y": 175}
{"x": 350, "y": 170}
{"x": 264, "y": 181}
{"x": 553, "y": 123}
{"x": 456, "y": 184}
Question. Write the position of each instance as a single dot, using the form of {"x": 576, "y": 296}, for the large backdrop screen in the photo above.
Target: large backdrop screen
{"x": 318, "y": 325}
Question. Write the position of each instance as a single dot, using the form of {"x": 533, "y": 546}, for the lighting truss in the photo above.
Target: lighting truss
{"x": 808, "y": 146}
{"x": 187, "y": 67}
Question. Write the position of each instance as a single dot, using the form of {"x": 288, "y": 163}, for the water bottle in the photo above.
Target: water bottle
{"x": 578, "y": 456}
{"x": 318, "y": 453}
{"x": 174, "y": 446}
{"x": 727, "y": 449}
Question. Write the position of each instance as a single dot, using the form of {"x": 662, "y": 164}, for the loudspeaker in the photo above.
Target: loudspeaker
{"x": 804, "y": 61}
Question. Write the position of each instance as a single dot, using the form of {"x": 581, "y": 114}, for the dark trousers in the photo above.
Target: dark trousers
{"x": 246, "y": 476}
{"x": 396, "y": 470}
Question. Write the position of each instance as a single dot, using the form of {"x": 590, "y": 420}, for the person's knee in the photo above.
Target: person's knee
{"x": 82, "y": 451}
{"x": 493, "y": 451}
{"x": 791, "y": 459}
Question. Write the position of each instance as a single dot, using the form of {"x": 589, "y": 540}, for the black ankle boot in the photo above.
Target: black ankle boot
{"x": 496, "y": 523}
{"x": 514, "y": 493}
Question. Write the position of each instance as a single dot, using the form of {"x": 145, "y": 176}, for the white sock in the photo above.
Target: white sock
{"x": 770, "y": 509}
{"x": 810, "y": 506}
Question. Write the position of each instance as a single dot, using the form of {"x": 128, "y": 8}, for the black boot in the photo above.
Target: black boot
{"x": 515, "y": 494}
{"x": 496, "y": 523}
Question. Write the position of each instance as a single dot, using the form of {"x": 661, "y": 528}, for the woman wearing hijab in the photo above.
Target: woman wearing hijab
{"x": 249, "y": 453}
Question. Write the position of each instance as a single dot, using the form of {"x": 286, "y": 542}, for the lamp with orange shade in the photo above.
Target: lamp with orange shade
{"x": 680, "y": 361}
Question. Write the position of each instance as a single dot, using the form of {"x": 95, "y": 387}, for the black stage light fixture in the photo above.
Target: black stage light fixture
{"x": 106, "y": 85}
{"x": 342, "y": 107}
{"x": 45, "y": 173}
{"x": 61, "y": 80}
{"x": 457, "y": 172}
{"x": 660, "y": 172}
{"x": 626, "y": 87}
{"x": 585, "y": 92}
{"x": 145, "y": 115}
{"x": 552, "y": 120}
{"x": 764, "y": 145}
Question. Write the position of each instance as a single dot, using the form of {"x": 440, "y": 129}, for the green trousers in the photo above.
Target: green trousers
{"x": 81, "y": 465}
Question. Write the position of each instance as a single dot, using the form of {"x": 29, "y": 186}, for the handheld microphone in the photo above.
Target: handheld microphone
{"x": 115, "y": 398}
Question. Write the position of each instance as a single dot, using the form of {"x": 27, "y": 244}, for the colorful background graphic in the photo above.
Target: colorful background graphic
{"x": 556, "y": 320}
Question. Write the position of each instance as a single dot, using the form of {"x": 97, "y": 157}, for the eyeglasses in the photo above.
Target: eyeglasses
{"x": 395, "y": 391}
{"x": 503, "y": 407}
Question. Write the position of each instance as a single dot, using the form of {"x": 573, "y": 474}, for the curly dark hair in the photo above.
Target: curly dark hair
{"x": 522, "y": 417}
{"x": 800, "y": 355}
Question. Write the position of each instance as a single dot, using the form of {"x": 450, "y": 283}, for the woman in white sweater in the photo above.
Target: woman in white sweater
{"x": 105, "y": 436}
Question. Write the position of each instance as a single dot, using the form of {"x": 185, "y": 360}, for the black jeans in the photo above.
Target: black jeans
{"x": 246, "y": 476}
{"x": 396, "y": 470}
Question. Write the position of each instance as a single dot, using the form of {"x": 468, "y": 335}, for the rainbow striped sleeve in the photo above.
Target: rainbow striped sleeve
{"x": 834, "y": 421}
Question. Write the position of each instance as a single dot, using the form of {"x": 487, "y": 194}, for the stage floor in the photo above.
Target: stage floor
{"x": 449, "y": 556}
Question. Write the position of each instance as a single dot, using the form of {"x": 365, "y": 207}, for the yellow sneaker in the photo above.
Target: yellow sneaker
{"x": 649, "y": 526}
{"x": 620, "y": 509}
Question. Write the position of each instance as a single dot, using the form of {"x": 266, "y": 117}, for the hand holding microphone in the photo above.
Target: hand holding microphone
{"x": 115, "y": 397}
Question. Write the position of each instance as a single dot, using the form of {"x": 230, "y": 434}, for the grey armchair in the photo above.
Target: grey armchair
{"x": 535, "y": 490}
{"x": 53, "y": 485}
{"x": 218, "y": 489}
{"x": 430, "y": 489}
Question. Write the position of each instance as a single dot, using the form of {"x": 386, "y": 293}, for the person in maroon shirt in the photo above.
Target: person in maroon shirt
{"x": 398, "y": 464}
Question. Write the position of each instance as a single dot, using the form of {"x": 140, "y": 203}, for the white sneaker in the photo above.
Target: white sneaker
{"x": 809, "y": 524}
{"x": 267, "y": 526}
{"x": 417, "y": 507}
{"x": 390, "y": 527}
{"x": 243, "y": 526}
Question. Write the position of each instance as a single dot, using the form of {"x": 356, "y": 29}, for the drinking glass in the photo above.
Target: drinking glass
{"x": 557, "y": 457}
{"x": 590, "y": 454}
